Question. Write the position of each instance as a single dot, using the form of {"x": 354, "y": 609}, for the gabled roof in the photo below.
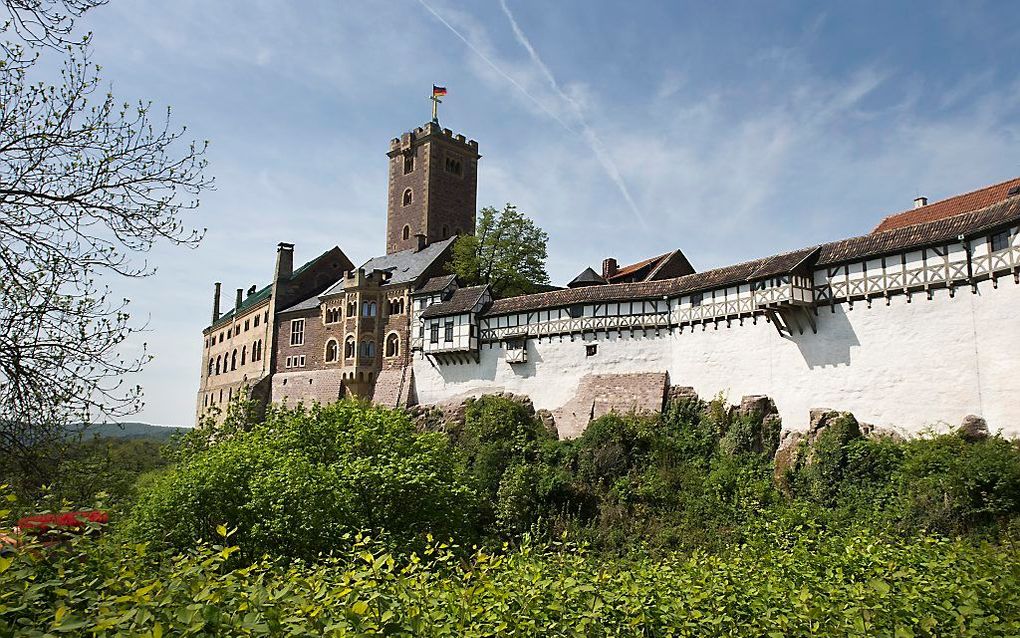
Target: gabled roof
{"x": 665, "y": 266}
{"x": 921, "y": 235}
{"x": 306, "y": 304}
{"x": 588, "y": 277}
{"x": 626, "y": 271}
{"x": 955, "y": 205}
{"x": 265, "y": 293}
{"x": 461, "y": 301}
{"x": 406, "y": 266}
{"x": 435, "y": 284}
{"x": 856, "y": 248}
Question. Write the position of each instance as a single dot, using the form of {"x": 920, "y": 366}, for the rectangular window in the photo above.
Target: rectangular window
{"x": 591, "y": 350}
{"x": 1000, "y": 241}
{"x": 289, "y": 359}
{"x": 256, "y": 323}
{"x": 221, "y": 337}
{"x": 434, "y": 333}
{"x": 448, "y": 332}
{"x": 697, "y": 298}
{"x": 301, "y": 361}
{"x": 297, "y": 332}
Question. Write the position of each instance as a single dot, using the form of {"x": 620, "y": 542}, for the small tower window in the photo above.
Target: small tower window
{"x": 453, "y": 166}
{"x": 406, "y": 233}
{"x": 446, "y": 231}
{"x": 408, "y": 164}
{"x": 407, "y": 197}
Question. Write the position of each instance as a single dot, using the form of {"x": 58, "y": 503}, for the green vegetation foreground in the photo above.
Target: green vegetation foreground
{"x": 648, "y": 526}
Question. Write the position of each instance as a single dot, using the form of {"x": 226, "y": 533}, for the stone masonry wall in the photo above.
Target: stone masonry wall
{"x": 600, "y": 394}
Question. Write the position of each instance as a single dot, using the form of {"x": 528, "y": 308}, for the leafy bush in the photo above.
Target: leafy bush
{"x": 780, "y": 582}
{"x": 952, "y": 485}
{"x": 300, "y": 482}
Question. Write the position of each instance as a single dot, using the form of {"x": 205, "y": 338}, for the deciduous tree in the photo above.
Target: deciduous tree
{"x": 507, "y": 252}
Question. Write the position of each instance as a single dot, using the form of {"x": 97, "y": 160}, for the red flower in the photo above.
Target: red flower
{"x": 66, "y": 520}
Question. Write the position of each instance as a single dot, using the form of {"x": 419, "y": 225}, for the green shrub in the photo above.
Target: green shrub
{"x": 779, "y": 582}
{"x": 301, "y": 482}
{"x": 954, "y": 486}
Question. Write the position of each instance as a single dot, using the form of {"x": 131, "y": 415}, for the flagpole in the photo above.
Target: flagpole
{"x": 435, "y": 108}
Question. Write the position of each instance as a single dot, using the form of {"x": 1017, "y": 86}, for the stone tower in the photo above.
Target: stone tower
{"x": 433, "y": 187}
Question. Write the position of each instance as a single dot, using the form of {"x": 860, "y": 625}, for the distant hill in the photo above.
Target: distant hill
{"x": 131, "y": 430}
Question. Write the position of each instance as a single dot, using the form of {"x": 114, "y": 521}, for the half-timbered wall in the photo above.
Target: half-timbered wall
{"x": 908, "y": 340}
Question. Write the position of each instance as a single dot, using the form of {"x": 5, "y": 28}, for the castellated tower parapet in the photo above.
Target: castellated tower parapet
{"x": 433, "y": 187}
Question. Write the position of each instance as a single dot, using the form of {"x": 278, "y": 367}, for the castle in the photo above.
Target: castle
{"x": 910, "y": 326}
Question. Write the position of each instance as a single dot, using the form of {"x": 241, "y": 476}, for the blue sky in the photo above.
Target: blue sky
{"x": 729, "y": 130}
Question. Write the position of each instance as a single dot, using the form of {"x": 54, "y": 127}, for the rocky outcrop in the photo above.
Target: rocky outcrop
{"x": 973, "y": 429}
{"x": 798, "y": 448}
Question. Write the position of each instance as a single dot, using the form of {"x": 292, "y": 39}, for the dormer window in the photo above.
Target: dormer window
{"x": 408, "y": 198}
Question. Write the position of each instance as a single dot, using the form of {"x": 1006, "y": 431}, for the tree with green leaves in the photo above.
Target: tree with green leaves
{"x": 507, "y": 252}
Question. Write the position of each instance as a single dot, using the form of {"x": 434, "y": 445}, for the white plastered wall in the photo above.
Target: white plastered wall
{"x": 906, "y": 365}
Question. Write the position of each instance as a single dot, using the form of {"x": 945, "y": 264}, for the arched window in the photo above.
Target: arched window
{"x": 217, "y": 364}
{"x": 372, "y": 309}
{"x": 349, "y": 348}
{"x": 406, "y": 233}
{"x": 211, "y": 361}
{"x": 332, "y": 350}
{"x": 368, "y": 349}
{"x": 407, "y": 197}
{"x": 233, "y": 360}
{"x": 244, "y": 351}
{"x": 392, "y": 345}
{"x": 457, "y": 231}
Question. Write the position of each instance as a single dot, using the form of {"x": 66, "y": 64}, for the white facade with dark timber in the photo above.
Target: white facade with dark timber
{"x": 910, "y": 327}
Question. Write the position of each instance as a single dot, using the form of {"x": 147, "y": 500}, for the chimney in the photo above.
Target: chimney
{"x": 239, "y": 299}
{"x": 251, "y": 291}
{"x": 216, "y": 303}
{"x": 284, "y": 260}
{"x": 920, "y": 201}
{"x": 609, "y": 267}
{"x": 422, "y": 242}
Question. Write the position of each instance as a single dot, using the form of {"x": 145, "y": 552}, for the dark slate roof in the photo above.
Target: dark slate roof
{"x": 307, "y": 304}
{"x": 462, "y": 300}
{"x": 405, "y": 266}
{"x": 856, "y": 248}
{"x": 435, "y": 284}
{"x": 588, "y": 277}
{"x": 263, "y": 294}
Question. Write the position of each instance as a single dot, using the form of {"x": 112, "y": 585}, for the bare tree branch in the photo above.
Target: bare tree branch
{"x": 87, "y": 184}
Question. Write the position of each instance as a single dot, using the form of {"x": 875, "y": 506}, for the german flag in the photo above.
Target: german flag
{"x": 438, "y": 91}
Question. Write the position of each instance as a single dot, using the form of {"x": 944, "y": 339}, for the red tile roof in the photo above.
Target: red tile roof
{"x": 955, "y": 205}
{"x": 632, "y": 268}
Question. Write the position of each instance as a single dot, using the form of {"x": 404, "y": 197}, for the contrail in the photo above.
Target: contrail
{"x": 587, "y": 132}
{"x": 495, "y": 68}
